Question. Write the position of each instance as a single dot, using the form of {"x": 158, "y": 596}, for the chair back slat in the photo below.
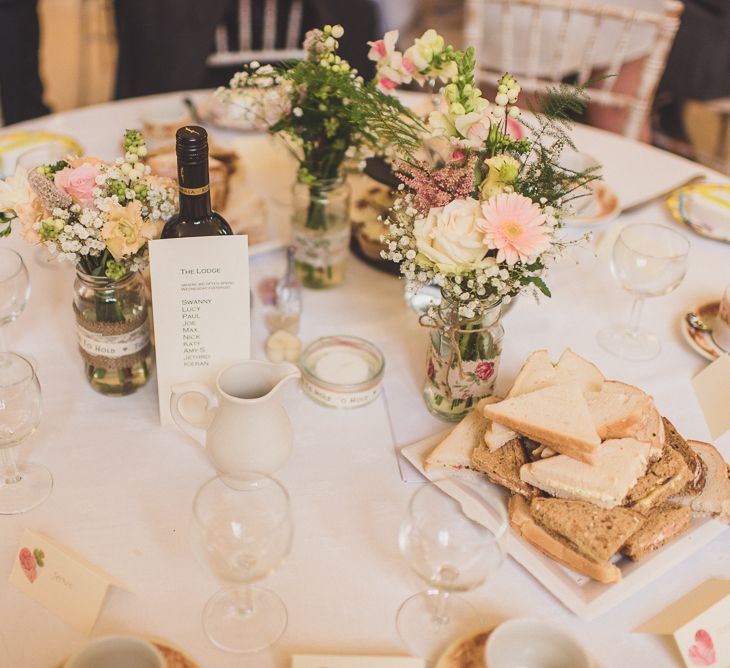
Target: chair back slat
{"x": 535, "y": 74}
{"x": 269, "y": 31}
{"x": 558, "y": 57}
{"x": 294, "y": 24}
{"x": 244, "y": 25}
{"x": 507, "y": 36}
{"x": 590, "y": 49}
{"x": 533, "y": 53}
{"x": 619, "y": 54}
{"x": 221, "y": 39}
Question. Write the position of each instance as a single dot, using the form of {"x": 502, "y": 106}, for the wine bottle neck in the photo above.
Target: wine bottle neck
{"x": 194, "y": 187}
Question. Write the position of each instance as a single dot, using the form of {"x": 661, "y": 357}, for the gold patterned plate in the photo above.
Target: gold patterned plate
{"x": 705, "y": 208}
{"x": 702, "y": 342}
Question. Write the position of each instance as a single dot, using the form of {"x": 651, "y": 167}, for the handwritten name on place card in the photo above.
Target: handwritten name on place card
{"x": 336, "y": 661}
{"x": 60, "y": 581}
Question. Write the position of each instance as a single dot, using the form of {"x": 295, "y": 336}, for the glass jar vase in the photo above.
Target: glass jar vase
{"x": 463, "y": 358}
{"x": 321, "y": 231}
{"x": 112, "y": 324}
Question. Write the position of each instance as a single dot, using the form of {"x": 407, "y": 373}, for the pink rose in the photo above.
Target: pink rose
{"x": 484, "y": 370}
{"x": 27, "y": 563}
{"x": 458, "y": 155}
{"x": 78, "y": 182}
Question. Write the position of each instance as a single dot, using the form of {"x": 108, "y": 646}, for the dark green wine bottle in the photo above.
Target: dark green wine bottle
{"x": 195, "y": 217}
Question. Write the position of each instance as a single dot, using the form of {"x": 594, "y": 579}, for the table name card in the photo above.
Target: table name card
{"x": 200, "y": 299}
{"x": 712, "y": 386}
{"x": 700, "y": 624}
{"x": 64, "y": 583}
{"x": 337, "y": 661}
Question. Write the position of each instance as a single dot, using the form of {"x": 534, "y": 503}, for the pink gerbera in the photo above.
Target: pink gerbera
{"x": 514, "y": 226}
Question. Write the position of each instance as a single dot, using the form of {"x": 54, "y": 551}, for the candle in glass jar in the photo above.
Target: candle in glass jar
{"x": 342, "y": 371}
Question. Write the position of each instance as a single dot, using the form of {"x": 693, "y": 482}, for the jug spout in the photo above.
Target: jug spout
{"x": 285, "y": 371}
{"x": 255, "y": 380}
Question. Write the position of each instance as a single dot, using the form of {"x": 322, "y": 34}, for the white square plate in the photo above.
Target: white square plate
{"x": 579, "y": 593}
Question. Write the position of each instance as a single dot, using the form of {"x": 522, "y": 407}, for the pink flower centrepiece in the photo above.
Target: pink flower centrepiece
{"x": 79, "y": 182}
{"x": 484, "y": 370}
{"x": 27, "y": 563}
{"x": 515, "y": 226}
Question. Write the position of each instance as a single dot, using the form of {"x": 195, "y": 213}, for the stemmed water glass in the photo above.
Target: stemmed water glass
{"x": 242, "y": 529}
{"x": 23, "y": 485}
{"x": 14, "y": 289}
{"x": 648, "y": 260}
{"x": 452, "y": 553}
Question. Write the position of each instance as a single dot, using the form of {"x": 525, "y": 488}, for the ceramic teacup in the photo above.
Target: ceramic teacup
{"x": 533, "y": 643}
{"x": 721, "y": 326}
{"x": 583, "y": 199}
{"x": 117, "y": 652}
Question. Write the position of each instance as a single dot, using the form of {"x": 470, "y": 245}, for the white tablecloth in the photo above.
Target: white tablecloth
{"x": 124, "y": 487}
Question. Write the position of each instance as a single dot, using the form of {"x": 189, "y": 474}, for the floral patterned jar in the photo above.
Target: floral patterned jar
{"x": 463, "y": 358}
{"x": 321, "y": 231}
{"x": 113, "y": 328}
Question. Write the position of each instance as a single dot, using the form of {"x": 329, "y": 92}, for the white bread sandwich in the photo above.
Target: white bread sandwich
{"x": 651, "y": 430}
{"x": 714, "y": 499}
{"x": 537, "y": 372}
{"x": 454, "y": 452}
{"x": 617, "y": 409}
{"x": 618, "y": 465}
{"x": 556, "y": 416}
{"x": 572, "y": 368}
{"x": 577, "y": 534}
{"x": 662, "y": 525}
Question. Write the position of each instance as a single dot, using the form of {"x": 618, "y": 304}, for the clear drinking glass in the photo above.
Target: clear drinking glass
{"x": 23, "y": 485}
{"x": 14, "y": 289}
{"x": 649, "y": 261}
{"x": 452, "y": 553}
{"x": 242, "y": 529}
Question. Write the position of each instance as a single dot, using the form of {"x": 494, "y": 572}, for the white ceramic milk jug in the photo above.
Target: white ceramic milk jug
{"x": 250, "y": 431}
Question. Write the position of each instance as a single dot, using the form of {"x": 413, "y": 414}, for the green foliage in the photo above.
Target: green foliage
{"x": 339, "y": 110}
{"x": 6, "y": 223}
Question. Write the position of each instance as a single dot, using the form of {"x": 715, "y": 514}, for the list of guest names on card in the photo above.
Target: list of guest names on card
{"x": 201, "y": 289}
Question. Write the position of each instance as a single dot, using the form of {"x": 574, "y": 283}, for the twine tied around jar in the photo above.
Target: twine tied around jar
{"x": 433, "y": 320}
{"x": 126, "y": 350}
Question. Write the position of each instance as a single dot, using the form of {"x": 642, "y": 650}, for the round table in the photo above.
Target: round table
{"x": 124, "y": 486}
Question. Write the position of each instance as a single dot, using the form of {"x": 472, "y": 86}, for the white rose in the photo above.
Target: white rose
{"x": 450, "y": 238}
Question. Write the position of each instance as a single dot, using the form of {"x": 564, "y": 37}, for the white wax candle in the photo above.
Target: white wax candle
{"x": 341, "y": 365}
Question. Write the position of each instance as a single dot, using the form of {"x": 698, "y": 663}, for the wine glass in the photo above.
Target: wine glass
{"x": 452, "y": 553}
{"x": 14, "y": 289}
{"x": 242, "y": 528}
{"x": 648, "y": 260}
{"x": 23, "y": 485}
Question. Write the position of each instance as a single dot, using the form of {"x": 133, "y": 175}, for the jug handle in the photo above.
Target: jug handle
{"x": 179, "y": 390}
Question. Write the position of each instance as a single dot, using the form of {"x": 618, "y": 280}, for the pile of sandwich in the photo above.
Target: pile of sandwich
{"x": 593, "y": 469}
